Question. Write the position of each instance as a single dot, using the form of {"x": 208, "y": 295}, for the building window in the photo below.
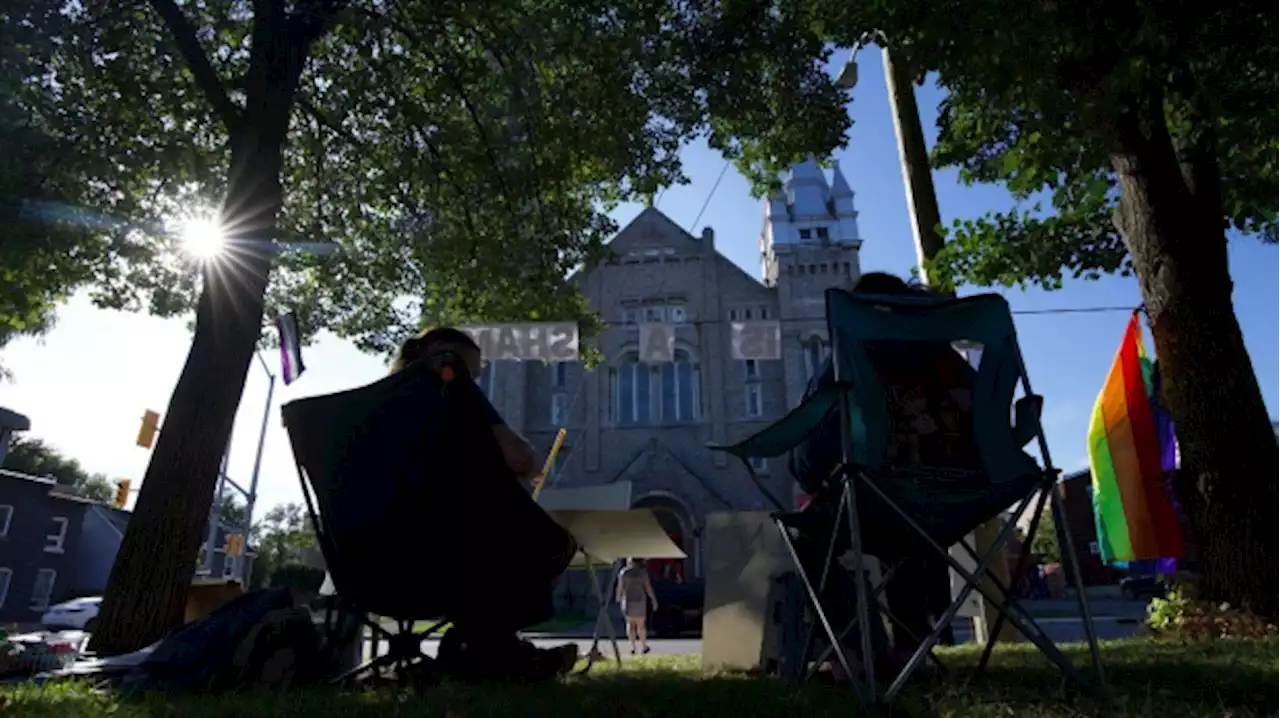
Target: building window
{"x": 848, "y": 269}
{"x": 733, "y": 315}
{"x": 6, "y": 516}
{"x": 562, "y": 458}
{"x": 751, "y": 368}
{"x": 764, "y": 312}
{"x": 822, "y": 234}
{"x": 629, "y": 316}
{"x": 485, "y": 380}
{"x": 805, "y": 234}
{"x": 42, "y": 591}
{"x": 6, "y": 577}
{"x": 815, "y": 355}
{"x": 559, "y": 409}
{"x": 677, "y": 384}
{"x": 560, "y": 374}
{"x": 54, "y": 541}
{"x": 653, "y": 314}
{"x": 753, "y": 401}
{"x": 759, "y": 464}
{"x": 747, "y": 315}
{"x": 680, "y": 389}
{"x": 676, "y": 314}
{"x": 632, "y": 392}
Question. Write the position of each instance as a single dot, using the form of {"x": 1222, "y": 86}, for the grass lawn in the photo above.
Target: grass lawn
{"x": 1153, "y": 679}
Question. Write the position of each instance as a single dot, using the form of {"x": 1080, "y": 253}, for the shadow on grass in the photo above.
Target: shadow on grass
{"x": 1148, "y": 679}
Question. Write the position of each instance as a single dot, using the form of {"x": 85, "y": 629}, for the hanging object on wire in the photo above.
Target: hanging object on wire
{"x": 1134, "y": 510}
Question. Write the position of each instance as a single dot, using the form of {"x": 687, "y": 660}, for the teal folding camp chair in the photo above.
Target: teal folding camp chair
{"x": 895, "y": 511}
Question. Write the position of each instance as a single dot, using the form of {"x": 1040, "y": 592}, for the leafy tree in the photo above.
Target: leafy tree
{"x": 1150, "y": 130}
{"x": 460, "y": 158}
{"x": 233, "y": 510}
{"x": 281, "y": 538}
{"x": 36, "y": 458}
{"x": 1045, "y": 541}
{"x": 43, "y": 256}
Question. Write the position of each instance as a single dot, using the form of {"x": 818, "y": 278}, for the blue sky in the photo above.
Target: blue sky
{"x": 86, "y": 384}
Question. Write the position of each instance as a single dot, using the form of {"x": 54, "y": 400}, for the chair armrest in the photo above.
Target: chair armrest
{"x": 784, "y": 434}
{"x": 1026, "y": 418}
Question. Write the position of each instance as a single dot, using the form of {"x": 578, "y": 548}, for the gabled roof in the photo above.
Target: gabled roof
{"x": 657, "y": 466}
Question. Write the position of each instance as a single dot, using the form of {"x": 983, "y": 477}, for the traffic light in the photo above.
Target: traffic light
{"x": 122, "y": 492}
{"x": 150, "y": 425}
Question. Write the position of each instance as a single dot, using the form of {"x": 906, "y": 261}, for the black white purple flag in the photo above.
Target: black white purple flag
{"x": 291, "y": 366}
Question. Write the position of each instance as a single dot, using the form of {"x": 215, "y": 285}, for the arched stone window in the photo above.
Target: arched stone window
{"x": 656, "y": 393}
{"x": 816, "y": 352}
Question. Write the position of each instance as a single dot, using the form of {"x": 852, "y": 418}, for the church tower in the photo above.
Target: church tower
{"x": 810, "y": 243}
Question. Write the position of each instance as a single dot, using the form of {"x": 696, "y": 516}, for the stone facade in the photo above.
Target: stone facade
{"x": 650, "y": 424}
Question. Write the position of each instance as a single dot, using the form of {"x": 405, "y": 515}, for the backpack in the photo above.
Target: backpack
{"x": 259, "y": 638}
{"x": 281, "y": 650}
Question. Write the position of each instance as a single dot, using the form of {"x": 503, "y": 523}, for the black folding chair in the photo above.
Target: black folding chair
{"x": 363, "y": 458}
{"x": 896, "y": 510}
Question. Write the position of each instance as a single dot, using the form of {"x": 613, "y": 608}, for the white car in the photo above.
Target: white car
{"x": 79, "y": 614}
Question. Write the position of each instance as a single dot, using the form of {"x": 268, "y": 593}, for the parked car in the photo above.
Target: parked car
{"x": 79, "y": 614}
{"x": 1145, "y": 587}
{"x": 679, "y": 608}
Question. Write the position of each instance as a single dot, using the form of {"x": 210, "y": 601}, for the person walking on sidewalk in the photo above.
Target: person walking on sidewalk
{"x": 635, "y": 593}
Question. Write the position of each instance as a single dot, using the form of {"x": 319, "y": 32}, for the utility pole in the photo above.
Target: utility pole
{"x": 922, "y": 198}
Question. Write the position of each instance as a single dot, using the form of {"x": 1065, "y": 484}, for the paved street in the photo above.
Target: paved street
{"x": 1061, "y": 630}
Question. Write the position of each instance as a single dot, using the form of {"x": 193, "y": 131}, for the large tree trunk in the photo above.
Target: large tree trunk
{"x": 1171, "y": 217}
{"x": 147, "y": 591}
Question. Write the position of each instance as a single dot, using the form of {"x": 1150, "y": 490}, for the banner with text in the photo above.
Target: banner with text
{"x": 756, "y": 340}
{"x": 544, "y": 341}
{"x": 657, "y": 343}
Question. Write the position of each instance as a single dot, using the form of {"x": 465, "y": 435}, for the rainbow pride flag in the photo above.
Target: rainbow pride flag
{"x": 1132, "y": 508}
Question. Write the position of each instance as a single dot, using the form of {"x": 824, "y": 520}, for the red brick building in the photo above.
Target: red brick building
{"x": 1076, "y": 491}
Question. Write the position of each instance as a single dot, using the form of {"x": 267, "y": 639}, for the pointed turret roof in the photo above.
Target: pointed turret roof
{"x": 839, "y": 185}
{"x": 807, "y": 171}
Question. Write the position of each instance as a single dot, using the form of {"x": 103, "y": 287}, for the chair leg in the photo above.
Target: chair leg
{"x": 855, "y": 546}
{"x": 828, "y": 560}
{"x": 602, "y": 616}
{"x": 1019, "y": 567}
{"x": 1016, "y": 614}
{"x": 993, "y": 552}
{"x": 819, "y": 613}
{"x": 1067, "y": 548}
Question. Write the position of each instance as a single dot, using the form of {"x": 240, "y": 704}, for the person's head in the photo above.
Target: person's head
{"x": 632, "y": 562}
{"x": 436, "y": 343}
{"x": 882, "y": 283}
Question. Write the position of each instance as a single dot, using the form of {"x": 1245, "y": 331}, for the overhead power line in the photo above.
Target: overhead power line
{"x": 710, "y": 194}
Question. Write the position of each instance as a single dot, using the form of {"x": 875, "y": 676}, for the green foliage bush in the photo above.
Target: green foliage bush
{"x": 1180, "y": 615}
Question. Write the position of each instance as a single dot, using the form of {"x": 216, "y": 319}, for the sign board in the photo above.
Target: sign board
{"x": 657, "y": 343}
{"x": 756, "y": 340}
{"x": 543, "y": 341}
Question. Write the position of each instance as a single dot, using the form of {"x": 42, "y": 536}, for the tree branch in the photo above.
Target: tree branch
{"x": 184, "y": 34}
{"x": 328, "y": 123}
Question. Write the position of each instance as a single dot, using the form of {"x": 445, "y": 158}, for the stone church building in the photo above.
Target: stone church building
{"x": 650, "y": 424}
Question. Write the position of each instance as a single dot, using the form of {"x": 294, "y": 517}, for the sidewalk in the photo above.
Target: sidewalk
{"x": 1100, "y": 607}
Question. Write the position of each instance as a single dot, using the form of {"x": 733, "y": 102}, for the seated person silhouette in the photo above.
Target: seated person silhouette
{"x": 482, "y": 642}
{"x": 929, "y": 387}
